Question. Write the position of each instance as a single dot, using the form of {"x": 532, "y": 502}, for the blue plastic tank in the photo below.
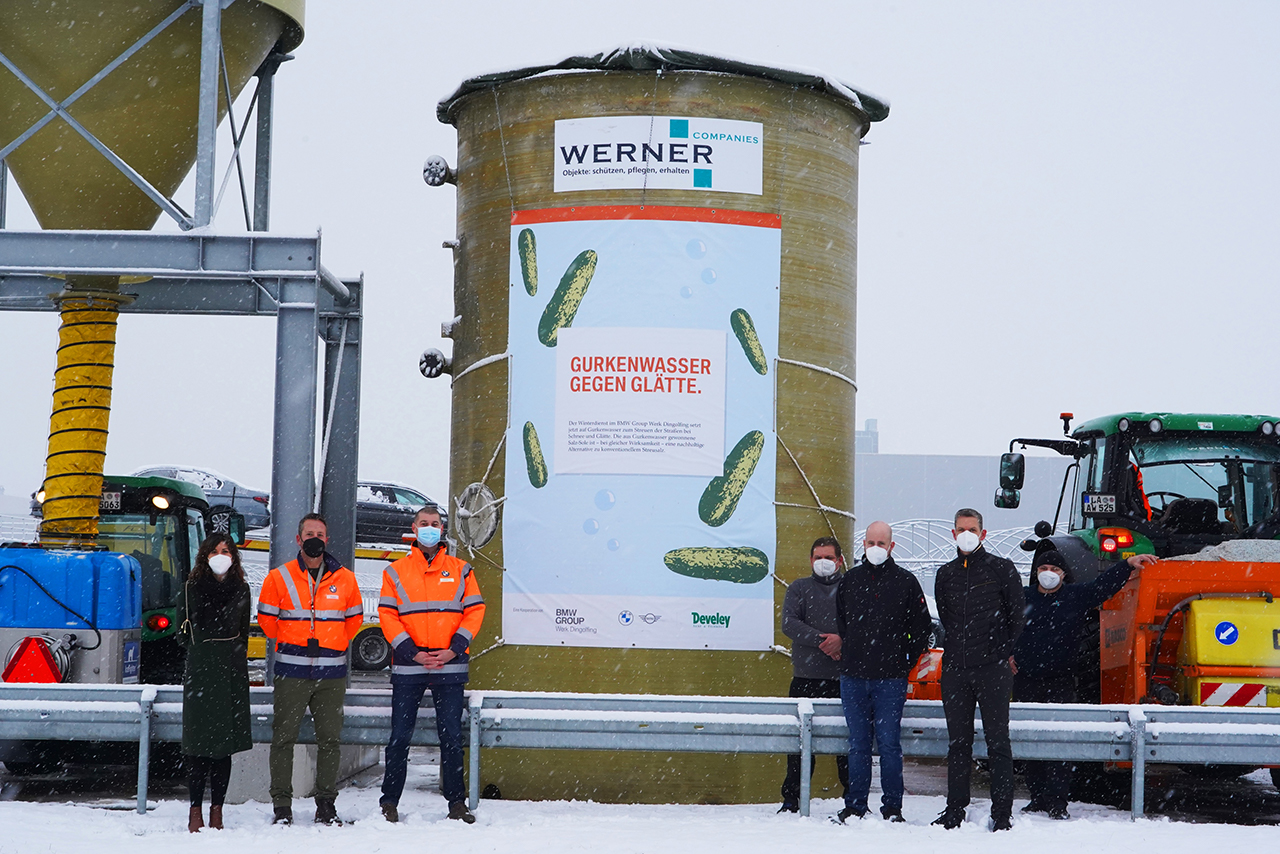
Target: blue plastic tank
{"x": 104, "y": 587}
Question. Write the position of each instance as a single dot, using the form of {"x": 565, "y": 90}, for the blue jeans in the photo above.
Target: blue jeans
{"x": 405, "y": 699}
{"x": 874, "y": 704}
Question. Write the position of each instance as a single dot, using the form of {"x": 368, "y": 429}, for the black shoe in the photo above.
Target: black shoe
{"x": 326, "y": 812}
{"x": 1034, "y": 807}
{"x": 1001, "y": 823}
{"x": 1059, "y": 814}
{"x": 950, "y": 818}
{"x": 788, "y": 806}
{"x": 458, "y": 810}
{"x": 894, "y": 816}
{"x": 283, "y": 815}
{"x": 849, "y": 812}
{"x": 390, "y": 813}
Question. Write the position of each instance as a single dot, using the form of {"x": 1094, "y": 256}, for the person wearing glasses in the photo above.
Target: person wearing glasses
{"x": 213, "y": 614}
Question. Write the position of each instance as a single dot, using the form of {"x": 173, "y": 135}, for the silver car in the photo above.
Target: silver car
{"x": 221, "y": 491}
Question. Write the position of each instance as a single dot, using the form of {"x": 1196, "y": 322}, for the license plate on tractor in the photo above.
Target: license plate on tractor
{"x": 110, "y": 501}
{"x": 1099, "y": 505}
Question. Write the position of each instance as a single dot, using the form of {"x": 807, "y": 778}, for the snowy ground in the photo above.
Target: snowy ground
{"x": 518, "y": 826}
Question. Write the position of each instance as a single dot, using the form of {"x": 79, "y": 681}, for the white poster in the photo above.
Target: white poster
{"x": 640, "y": 401}
{"x": 659, "y": 152}
{"x": 640, "y": 452}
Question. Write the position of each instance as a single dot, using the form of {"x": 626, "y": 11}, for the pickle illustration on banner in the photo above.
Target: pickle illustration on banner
{"x": 741, "y": 565}
{"x": 527, "y": 249}
{"x": 567, "y": 297}
{"x": 750, "y": 341}
{"x": 720, "y": 498}
{"x": 533, "y": 457}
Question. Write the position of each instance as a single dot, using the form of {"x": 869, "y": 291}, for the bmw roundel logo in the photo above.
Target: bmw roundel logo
{"x": 626, "y": 618}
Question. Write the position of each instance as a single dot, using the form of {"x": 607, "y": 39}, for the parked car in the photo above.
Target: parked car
{"x": 221, "y": 491}
{"x": 384, "y": 511}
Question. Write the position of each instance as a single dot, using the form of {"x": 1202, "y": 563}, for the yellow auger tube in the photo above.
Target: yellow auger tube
{"x": 78, "y": 424}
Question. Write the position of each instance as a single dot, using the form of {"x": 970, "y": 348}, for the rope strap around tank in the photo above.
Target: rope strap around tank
{"x": 496, "y": 643}
{"x": 820, "y": 507}
{"x": 819, "y": 369}
{"x": 479, "y": 363}
{"x": 781, "y": 650}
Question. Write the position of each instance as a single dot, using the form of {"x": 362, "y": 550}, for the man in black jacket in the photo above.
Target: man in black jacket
{"x": 980, "y": 603}
{"x": 1042, "y": 656}
{"x": 884, "y": 624}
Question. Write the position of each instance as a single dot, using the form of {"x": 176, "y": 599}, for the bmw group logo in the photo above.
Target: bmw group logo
{"x": 626, "y": 618}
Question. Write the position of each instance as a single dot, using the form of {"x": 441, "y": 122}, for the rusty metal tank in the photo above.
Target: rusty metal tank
{"x": 812, "y": 128}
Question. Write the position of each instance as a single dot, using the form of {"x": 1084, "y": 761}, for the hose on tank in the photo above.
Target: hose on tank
{"x": 63, "y": 605}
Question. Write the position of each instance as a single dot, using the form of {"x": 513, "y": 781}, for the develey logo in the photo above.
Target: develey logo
{"x": 716, "y": 619}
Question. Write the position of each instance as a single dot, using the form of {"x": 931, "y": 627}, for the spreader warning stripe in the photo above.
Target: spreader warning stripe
{"x": 1232, "y": 694}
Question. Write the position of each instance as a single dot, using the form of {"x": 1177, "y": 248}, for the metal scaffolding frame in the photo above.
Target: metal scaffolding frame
{"x": 207, "y": 274}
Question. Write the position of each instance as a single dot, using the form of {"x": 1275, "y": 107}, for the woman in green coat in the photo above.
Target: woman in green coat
{"x": 213, "y": 608}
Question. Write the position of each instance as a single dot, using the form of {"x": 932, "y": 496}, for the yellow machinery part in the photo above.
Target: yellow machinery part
{"x": 1232, "y": 633}
{"x": 78, "y": 423}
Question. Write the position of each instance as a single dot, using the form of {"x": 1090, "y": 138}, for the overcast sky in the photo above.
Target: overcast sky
{"x": 1072, "y": 206}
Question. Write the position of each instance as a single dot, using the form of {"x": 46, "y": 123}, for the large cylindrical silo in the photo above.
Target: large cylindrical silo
{"x": 664, "y": 206}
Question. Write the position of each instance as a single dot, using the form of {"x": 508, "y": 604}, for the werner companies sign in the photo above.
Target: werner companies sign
{"x": 659, "y": 152}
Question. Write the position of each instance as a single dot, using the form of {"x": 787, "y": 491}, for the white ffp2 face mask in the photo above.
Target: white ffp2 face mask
{"x": 824, "y": 567}
{"x": 877, "y": 555}
{"x": 1048, "y": 580}
{"x": 967, "y": 541}
{"x": 220, "y": 564}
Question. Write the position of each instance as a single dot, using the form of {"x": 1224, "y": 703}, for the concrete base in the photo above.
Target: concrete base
{"x": 251, "y": 772}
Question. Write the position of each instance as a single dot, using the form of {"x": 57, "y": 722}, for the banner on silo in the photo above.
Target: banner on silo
{"x": 640, "y": 444}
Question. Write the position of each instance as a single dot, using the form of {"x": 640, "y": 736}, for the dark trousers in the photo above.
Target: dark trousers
{"x": 874, "y": 705}
{"x": 987, "y": 688}
{"x": 814, "y": 689}
{"x": 1048, "y": 782}
{"x": 405, "y": 699}
{"x": 291, "y": 698}
{"x": 201, "y": 769}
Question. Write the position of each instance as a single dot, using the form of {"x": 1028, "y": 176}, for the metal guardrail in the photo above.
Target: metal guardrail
{"x": 678, "y": 724}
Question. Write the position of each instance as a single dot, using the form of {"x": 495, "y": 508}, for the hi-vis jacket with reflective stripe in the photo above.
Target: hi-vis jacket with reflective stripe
{"x": 312, "y": 621}
{"x": 430, "y": 606}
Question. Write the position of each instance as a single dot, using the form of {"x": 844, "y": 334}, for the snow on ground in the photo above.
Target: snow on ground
{"x": 518, "y": 826}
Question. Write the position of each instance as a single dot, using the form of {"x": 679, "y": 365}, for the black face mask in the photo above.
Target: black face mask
{"x": 313, "y": 547}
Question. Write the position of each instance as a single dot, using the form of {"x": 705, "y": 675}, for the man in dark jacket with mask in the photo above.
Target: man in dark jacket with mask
{"x": 809, "y": 619}
{"x": 884, "y": 627}
{"x": 980, "y": 603}
{"x": 1042, "y": 657}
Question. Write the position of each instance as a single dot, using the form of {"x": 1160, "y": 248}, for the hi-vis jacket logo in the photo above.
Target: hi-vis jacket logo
{"x": 659, "y": 153}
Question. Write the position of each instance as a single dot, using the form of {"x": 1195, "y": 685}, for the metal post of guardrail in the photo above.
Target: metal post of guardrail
{"x": 1138, "y": 732}
{"x": 145, "y": 702}
{"x": 805, "y": 710}
{"x": 475, "y": 703}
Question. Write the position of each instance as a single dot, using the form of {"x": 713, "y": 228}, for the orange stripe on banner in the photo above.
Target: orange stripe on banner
{"x": 598, "y": 212}
{"x": 1243, "y": 695}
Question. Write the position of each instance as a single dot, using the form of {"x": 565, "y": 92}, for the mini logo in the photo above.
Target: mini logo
{"x": 650, "y": 619}
{"x": 1226, "y": 633}
{"x": 626, "y": 618}
{"x": 333, "y": 588}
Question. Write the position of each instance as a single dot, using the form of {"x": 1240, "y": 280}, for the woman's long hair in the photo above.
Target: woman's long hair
{"x": 201, "y": 569}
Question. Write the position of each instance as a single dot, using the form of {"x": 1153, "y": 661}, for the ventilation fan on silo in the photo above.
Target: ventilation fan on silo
{"x": 477, "y": 516}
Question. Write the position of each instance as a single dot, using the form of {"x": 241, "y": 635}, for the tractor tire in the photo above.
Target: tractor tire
{"x": 1275, "y": 778}
{"x": 370, "y": 650}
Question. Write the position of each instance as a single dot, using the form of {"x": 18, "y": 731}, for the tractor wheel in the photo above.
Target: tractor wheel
{"x": 370, "y": 650}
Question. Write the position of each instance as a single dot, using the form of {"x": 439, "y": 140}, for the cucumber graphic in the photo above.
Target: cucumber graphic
{"x": 720, "y": 498}
{"x": 568, "y": 296}
{"x": 741, "y": 565}
{"x": 750, "y": 341}
{"x": 533, "y": 457}
{"x": 527, "y": 248}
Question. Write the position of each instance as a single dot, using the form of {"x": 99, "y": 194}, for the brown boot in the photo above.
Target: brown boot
{"x": 215, "y": 816}
{"x": 196, "y": 821}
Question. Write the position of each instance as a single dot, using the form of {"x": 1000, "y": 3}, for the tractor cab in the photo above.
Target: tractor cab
{"x": 1157, "y": 483}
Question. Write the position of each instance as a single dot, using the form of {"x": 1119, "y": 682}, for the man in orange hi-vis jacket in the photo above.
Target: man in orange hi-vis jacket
{"x": 309, "y": 609}
{"x": 430, "y": 611}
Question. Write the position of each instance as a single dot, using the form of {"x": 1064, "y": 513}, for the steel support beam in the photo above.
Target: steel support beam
{"x": 4, "y": 192}
{"x": 207, "y": 118}
{"x": 262, "y": 150}
{"x": 340, "y": 442}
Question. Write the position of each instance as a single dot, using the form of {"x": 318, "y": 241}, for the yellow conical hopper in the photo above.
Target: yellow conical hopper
{"x": 145, "y": 111}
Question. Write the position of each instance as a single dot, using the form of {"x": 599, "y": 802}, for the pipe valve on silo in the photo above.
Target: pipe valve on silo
{"x": 434, "y": 363}
{"x": 437, "y": 172}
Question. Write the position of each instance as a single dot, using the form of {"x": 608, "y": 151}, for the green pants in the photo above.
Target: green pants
{"x": 292, "y": 697}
